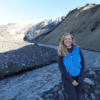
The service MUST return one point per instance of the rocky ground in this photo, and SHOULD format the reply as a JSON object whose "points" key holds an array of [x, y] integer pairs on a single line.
{"points": [[90, 90], [17, 55], [44, 83]]}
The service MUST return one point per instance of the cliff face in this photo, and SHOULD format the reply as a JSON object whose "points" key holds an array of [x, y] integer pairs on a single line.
{"points": [[83, 23]]}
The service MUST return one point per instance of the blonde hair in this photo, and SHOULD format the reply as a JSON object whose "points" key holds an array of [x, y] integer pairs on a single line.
{"points": [[62, 50]]}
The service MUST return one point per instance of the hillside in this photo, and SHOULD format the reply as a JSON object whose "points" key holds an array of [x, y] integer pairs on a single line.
{"points": [[29, 29], [84, 25], [43, 27]]}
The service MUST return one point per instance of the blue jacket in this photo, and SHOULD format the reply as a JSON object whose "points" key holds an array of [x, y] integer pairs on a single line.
{"points": [[73, 64]]}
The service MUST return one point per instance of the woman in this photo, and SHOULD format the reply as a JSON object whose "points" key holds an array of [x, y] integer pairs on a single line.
{"points": [[71, 65]]}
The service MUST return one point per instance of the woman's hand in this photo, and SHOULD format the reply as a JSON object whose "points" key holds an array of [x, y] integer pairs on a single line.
{"points": [[74, 83]]}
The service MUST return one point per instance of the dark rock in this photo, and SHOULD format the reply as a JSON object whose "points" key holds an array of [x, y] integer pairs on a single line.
{"points": [[27, 58], [89, 92]]}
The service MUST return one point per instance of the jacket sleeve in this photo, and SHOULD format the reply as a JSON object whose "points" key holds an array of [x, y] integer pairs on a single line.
{"points": [[62, 69], [80, 77]]}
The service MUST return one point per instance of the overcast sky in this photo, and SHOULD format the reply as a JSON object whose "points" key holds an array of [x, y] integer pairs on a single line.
{"points": [[28, 10]]}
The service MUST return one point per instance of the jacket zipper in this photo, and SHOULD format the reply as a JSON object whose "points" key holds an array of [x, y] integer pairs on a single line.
{"points": [[72, 60]]}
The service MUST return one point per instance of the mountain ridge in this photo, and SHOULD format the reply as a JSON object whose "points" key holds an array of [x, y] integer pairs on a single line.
{"points": [[83, 23]]}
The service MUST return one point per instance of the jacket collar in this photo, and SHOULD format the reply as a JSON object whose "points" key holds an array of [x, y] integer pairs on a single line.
{"points": [[74, 47]]}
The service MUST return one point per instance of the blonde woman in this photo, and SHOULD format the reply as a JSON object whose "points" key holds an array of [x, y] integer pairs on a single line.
{"points": [[71, 64]]}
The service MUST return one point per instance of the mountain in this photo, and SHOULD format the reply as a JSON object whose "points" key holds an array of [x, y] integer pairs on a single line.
{"points": [[43, 27], [16, 29], [83, 23], [30, 29]]}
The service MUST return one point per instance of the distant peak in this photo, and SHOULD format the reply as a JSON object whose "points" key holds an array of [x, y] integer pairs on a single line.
{"points": [[87, 5], [90, 4]]}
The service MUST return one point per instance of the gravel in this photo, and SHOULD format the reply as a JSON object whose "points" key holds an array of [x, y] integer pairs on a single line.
{"points": [[89, 91], [25, 58]]}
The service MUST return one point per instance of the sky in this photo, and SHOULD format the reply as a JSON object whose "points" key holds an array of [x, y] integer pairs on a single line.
{"points": [[29, 10]]}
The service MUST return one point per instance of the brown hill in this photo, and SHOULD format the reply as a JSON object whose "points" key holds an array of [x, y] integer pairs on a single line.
{"points": [[84, 25]]}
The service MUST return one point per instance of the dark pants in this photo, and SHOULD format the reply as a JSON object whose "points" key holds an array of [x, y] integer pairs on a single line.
{"points": [[72, 91]]}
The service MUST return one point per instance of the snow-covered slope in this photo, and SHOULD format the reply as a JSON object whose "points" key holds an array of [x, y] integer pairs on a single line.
{"points": [[31, 29], [17, 27], [43, 27]]}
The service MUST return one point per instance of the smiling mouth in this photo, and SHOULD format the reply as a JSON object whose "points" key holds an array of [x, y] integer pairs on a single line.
{"points": [[68, 42]]}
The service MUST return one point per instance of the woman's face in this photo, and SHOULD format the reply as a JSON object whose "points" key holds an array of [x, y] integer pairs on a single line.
{"points": [[68, 40]]}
